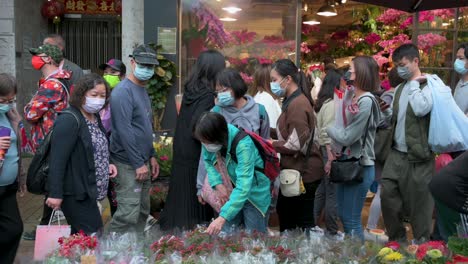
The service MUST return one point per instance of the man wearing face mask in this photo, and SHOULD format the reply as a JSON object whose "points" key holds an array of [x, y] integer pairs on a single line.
{"points": [[461, 67], [51, 97], [132, 143], [410, 163]]}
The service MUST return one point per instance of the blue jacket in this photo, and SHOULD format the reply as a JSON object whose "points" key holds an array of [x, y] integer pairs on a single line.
{"points": [[250, 184]]}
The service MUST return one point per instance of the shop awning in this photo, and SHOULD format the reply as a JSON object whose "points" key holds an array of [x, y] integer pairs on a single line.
{"points": [[416, 5]]}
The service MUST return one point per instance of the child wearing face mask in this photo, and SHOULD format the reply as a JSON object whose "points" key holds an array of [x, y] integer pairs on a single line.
{"points": [[238, 108], [80, 154]]}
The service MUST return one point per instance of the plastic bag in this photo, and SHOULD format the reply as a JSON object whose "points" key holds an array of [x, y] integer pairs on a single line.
{"points": [[449, 125]]}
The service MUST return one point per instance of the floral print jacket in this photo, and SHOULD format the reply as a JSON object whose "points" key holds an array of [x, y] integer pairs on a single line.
{"points": [[41, 111]]}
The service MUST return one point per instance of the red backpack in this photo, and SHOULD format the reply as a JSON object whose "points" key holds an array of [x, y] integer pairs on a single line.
{"points": [[266, 150]]}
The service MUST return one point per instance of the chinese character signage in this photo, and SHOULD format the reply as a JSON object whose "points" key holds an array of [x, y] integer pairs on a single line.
{"points": [[109, 7]]}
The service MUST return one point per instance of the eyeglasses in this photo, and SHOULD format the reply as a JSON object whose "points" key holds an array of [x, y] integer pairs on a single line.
{"points": [[7, 101]]}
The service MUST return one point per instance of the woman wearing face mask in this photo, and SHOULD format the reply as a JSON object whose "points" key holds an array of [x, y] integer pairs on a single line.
{"points": [[261, 92], [350, 197], [12, 179], [248, 203], [238, 109], [294, 133], [461, 67], [80, 155], [182, 209]]}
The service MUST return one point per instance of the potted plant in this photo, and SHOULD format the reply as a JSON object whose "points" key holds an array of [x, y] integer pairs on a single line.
{"points": [[160, 84]]}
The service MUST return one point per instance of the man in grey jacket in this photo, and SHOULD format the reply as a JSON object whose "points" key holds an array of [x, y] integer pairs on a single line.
{"points": [[57, 40], [132, 143]]}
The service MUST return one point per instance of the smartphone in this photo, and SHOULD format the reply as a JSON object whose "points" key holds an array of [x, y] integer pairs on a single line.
{"points": [[5, 131]]}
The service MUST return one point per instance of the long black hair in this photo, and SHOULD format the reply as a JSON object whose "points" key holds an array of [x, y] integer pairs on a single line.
{"points": [[330, 82], [286, 67], [203, 75]]}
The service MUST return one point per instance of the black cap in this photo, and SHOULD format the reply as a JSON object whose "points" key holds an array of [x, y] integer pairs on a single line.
{"points": [[115, 64], [144, 54]]}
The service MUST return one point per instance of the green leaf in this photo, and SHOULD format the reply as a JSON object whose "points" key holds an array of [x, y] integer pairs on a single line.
{"points": [[160, 71]]}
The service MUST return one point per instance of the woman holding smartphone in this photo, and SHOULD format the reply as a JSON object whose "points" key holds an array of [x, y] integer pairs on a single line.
{"points": [[11, 178]]}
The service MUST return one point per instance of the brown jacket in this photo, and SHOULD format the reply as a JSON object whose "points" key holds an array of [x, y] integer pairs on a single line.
{"points": [[295, 128]]}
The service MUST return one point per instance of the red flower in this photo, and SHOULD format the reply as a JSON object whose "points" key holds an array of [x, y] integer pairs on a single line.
{"points": [[164, 158], [422, 249], [393, 245]]}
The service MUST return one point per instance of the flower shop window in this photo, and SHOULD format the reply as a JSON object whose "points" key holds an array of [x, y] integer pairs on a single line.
{"points": [[247, 32]]}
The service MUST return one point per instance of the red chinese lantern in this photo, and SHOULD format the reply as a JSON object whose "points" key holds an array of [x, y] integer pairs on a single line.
{"points": [[53, 9], [118, 6]]}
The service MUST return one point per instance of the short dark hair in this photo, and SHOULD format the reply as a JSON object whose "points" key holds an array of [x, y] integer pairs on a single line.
{"points": [[211, 127], [409, 51], [7, 84], [366, 70], [59, 41], [464, 46], [231, 78], [84, 84], [394, 78]]}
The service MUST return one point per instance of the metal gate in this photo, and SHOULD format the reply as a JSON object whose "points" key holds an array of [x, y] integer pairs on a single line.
{"points": [[92, 41]]}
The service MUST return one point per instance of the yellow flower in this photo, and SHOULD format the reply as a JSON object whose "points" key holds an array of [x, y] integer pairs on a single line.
{"points": [[394, 256], [434, 253], [385, 251]]}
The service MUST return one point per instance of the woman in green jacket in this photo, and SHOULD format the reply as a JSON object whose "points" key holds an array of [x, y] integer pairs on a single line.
{"points": [[248, 203]]}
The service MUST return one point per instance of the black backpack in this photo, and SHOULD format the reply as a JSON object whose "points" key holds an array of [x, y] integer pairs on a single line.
{"points": [[38, 171]]}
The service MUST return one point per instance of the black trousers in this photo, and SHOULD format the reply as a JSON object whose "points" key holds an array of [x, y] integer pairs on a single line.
{"points": [[297, 212], [82, 215], [11, 225]]}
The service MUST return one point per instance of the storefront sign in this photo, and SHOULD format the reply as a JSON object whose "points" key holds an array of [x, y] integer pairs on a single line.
{"points": [[167, 38], [109, 7]]}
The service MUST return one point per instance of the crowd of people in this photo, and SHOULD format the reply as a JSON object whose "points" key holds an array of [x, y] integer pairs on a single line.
{"points": [[102, 146]]}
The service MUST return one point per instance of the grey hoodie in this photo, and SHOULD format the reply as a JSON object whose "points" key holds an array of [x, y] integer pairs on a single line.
{"points": [[248, 117]]}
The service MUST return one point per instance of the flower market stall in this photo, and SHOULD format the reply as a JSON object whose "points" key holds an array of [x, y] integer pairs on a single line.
{"points": [[196, 246]]}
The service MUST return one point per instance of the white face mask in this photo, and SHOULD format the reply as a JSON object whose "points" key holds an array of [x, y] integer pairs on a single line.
{"points": [[213, 147], [93, 105]]}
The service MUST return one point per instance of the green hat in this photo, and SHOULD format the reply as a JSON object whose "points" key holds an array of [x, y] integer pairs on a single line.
{"points": [[50, 50]]}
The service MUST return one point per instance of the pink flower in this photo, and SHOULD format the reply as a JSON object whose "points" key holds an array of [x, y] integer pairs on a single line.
{"points": [[444, 13], [391, 16], [307, 29], [305, 48], [390, 45], [247, 79], [263, 61], [216, 34], [164, 158], [422, 249], [386, 85], [381, 60], [393, 245], [372, 38], [405, 24], [427, 41], [243, 37]]}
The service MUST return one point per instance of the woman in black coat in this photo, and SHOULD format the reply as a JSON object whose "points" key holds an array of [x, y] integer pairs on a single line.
{"points": [[79, 157], [182, 209]]}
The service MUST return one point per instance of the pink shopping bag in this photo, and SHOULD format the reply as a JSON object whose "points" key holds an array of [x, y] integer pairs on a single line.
{"points": [[47, 237], [209, 194]]}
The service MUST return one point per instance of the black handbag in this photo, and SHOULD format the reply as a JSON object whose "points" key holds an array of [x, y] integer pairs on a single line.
{"points": [[348, 171]]}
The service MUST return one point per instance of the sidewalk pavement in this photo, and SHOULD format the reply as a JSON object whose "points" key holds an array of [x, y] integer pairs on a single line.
{"points": [[30, 206]]}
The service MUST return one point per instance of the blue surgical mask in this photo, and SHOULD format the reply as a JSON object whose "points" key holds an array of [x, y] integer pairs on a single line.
{"points": [[4, 108], [404, 73], [143, 73], [276, 88], [213, 148], [459, 66], [225, 99]]}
